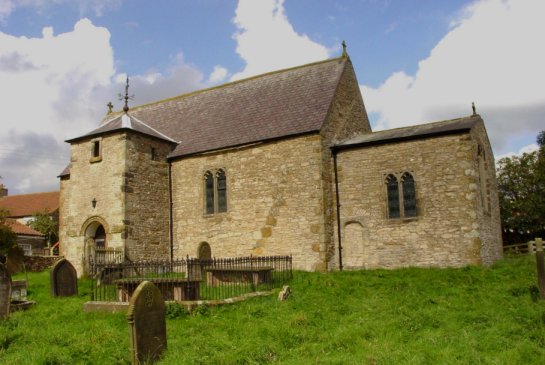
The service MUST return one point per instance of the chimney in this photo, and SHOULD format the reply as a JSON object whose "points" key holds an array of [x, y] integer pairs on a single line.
{"points": [[3, 191]]}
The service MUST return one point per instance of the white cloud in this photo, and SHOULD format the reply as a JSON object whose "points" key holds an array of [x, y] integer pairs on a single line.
{"points": [[218, 74], [525, 149], [53, 89], [267, 41], [494, 55]]}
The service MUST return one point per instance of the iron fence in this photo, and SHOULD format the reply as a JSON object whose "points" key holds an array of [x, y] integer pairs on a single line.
{"points": [[189, 278]]}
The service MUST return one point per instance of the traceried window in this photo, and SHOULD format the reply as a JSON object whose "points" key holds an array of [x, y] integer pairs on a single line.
{"points": [[215, 191], [393, 196], [401, 196], [409, 195]]}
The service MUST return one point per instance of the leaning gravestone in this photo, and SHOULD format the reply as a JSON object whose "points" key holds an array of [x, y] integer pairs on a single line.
{"points": [[64, 279], [146, 317], [5, 291]]}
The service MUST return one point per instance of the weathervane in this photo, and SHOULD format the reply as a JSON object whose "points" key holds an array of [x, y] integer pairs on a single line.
{"points": [[126, 97], [344, 49], [474, 109]]}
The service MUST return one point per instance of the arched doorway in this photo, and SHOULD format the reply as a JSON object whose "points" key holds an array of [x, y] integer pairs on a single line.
{"points": [[95, 241], [204, 251], [353, 246], [100, 237]]}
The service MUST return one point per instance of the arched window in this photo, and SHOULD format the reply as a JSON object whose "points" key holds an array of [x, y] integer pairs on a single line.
{"points": [[409, 195], [392, 189], [209, 192], [215, 191], [222, 191]]}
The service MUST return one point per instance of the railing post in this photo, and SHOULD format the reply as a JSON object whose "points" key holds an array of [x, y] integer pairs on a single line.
{"points": [[540, 267]]}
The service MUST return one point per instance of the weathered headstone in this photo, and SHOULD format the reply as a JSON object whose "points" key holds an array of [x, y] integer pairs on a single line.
{"points": [[284, 293], [64, 279], [5, 291], [147, 324]]}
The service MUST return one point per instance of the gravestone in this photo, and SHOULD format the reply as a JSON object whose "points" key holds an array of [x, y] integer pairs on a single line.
{"points": [[146, 317], [5, 291], [15, 262], [64, 279]]}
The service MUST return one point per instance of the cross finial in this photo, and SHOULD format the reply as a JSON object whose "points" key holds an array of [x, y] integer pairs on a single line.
{"points": [[344, 49], [474, 109], [110, 107], [126, 97]]}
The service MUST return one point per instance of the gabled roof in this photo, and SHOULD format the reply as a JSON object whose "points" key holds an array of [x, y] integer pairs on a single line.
{"points": [[419, 131], [25, 205], [278, 104], [124, 122], [21, 229]]}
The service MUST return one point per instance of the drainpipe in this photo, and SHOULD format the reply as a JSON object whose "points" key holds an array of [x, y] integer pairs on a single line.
{"points": [[170, 218], [338, 209]]}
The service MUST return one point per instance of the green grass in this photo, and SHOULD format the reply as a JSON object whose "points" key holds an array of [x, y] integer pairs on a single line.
{"points": [[471, 315]]}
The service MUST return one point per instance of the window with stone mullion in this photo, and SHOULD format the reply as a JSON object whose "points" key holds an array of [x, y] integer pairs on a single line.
{"points": [[392, 188]]}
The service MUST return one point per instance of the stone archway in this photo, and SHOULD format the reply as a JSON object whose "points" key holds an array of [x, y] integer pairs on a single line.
{"points": [[94, 232], [204, 252], [353, 246]]}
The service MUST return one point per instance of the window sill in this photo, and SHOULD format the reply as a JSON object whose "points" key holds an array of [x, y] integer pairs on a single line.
{"points": [[95, 159]]}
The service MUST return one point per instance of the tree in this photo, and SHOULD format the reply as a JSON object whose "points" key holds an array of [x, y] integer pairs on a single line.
{"points": [[8, 239], [521, 187], [43, 223]]}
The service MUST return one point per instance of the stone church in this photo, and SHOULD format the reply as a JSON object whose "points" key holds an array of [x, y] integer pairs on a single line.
{"points": [[283, 163]]}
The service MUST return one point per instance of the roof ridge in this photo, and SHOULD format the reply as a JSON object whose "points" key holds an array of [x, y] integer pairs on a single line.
{"points": [[43, 192], [427, 123], [199, 91]]}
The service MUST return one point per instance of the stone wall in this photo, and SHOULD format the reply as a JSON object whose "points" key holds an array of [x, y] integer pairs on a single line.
{"points": [[446, 231], [347, 118], [488, 213], [274, 202], [146, 198], [91, 178], [39, 263]]}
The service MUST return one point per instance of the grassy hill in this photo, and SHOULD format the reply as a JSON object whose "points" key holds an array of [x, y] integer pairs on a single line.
{"points": [[471, 315]]}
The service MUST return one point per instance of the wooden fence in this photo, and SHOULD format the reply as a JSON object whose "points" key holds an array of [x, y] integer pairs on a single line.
{"points": [[520, 248]]}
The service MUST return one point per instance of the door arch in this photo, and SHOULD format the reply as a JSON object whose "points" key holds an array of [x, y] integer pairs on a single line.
{"points": [[353, 246], [204, 251]]}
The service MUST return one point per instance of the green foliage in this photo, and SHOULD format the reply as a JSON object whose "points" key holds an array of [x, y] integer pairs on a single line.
{"points": [[175, 310], [42, 222], [521, 187], [8, 239], [471, 315]]}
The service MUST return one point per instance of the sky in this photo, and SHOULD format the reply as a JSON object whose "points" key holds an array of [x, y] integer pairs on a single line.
{"points": [[417, 61]]}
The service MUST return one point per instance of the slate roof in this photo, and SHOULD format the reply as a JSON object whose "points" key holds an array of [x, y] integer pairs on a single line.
{"points": [[21, 229], [25, 205], [412, 132], [278, 104], [124, 122]]}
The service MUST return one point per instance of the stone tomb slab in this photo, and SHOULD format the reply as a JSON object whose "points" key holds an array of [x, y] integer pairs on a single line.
{"points": [[146, 317], [5, 291], [64, 279]]}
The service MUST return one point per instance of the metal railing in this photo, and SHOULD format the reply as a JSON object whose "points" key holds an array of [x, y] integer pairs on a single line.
{"points": [[189, 278]]}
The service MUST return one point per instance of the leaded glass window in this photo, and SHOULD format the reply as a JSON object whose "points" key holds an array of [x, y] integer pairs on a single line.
{"points": [[393, 196], [409, 195], [209, 192], [222, 191], [215, 191]]}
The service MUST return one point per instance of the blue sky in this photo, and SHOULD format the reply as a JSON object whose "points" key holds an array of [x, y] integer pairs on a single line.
{"points": [[61, 61]]}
